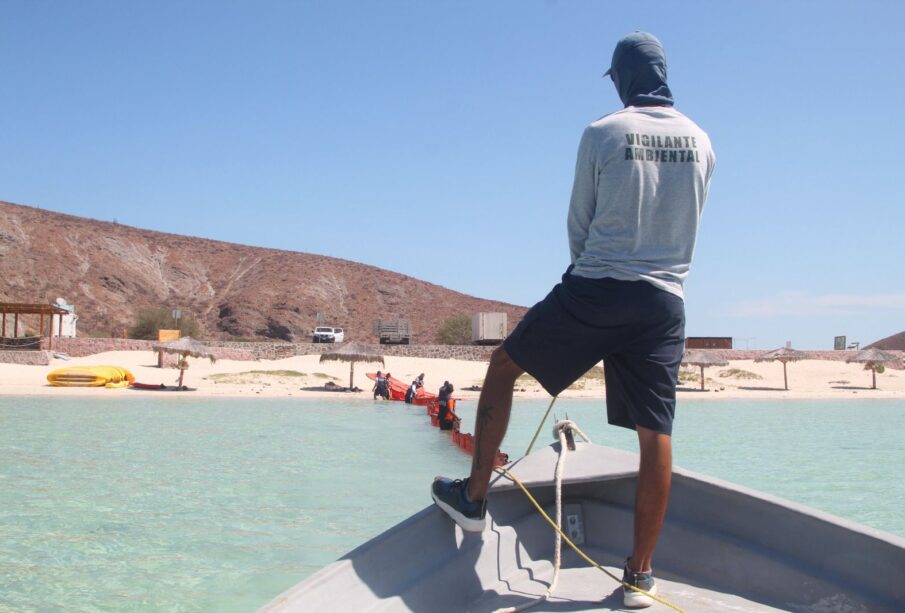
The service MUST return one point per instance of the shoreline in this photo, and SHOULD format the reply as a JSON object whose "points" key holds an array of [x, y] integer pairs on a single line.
{"points": [[282, 378]]}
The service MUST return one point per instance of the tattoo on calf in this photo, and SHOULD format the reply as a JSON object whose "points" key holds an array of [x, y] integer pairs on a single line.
{"points": [[485, 416]]}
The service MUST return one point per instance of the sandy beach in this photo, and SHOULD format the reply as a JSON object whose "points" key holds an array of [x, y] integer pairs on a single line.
{"points": [[741, 379]]}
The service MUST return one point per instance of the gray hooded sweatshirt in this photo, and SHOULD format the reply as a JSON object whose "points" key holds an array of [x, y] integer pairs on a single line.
{"points": [[641, 179]]}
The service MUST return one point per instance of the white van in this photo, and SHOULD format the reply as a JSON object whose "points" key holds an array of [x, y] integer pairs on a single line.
{"points": [[338, 335]]}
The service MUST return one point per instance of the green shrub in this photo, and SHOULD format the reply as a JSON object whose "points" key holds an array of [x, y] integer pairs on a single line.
{"points": [[455, 331], [686, 376], [738, 373], [149, 321]]}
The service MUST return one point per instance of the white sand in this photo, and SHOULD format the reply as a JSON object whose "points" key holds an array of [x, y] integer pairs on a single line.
{"points": [[809, 379]]}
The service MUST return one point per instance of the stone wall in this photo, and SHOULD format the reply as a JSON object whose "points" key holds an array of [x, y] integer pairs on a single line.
{"points": [[81, 346], [272, 351], [829, 355], [32, 358], [84, 346], [753, 354], [231, 350]]}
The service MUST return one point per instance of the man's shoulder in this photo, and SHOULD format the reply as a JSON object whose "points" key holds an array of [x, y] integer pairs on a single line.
{"points": [[632, 114], [607, 121], [642, 119]]}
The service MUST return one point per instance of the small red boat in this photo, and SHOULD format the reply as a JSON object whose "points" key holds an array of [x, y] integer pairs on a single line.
{"points": [[398, 389]]}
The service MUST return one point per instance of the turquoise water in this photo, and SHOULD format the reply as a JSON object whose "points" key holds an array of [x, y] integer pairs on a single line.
{"points": [[134, 503]]}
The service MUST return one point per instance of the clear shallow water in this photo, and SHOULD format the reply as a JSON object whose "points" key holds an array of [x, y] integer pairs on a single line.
{"points": [[181, 504]]}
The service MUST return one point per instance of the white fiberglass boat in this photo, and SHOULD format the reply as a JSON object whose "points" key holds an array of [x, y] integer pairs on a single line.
{"points": [[723, 548]]}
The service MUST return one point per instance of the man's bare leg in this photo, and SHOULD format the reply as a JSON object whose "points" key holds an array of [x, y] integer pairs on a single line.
{"points": [[494, 407], [651, 496]]}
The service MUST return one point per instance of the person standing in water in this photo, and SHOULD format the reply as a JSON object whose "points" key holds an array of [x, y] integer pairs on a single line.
{"points": [[411, 392], [641, 181], [381, 386], [444, 415]]}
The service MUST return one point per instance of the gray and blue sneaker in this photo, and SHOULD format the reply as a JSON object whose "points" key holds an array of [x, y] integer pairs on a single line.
{"points": [[644, 581], [450, 495]]}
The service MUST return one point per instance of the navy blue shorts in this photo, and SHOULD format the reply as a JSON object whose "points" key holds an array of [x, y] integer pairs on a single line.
{"points": [[638, 331]]}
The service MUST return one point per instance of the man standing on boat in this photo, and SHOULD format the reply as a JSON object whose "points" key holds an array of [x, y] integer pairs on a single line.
{"points": [[641, 180]]}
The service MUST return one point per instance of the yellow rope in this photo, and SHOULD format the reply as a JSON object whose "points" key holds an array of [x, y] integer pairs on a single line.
{"points": [[539, 426], [515, 479]]}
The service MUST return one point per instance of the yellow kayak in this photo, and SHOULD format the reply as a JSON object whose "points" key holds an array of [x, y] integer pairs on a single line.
{"points": [[90, 376]]}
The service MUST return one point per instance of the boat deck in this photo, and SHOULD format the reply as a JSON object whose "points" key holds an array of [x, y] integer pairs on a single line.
{"points": [[723, 548], [582, 588]]}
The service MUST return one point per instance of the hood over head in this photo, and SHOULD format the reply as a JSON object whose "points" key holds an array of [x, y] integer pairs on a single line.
{"points": [[638, 70]]}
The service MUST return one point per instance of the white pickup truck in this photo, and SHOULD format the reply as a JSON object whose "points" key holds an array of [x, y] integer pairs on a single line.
{"points": [[325, 334]]}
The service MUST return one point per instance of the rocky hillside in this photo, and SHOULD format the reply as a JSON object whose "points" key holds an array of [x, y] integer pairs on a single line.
{"points": [[895, 342], [110, 272]]}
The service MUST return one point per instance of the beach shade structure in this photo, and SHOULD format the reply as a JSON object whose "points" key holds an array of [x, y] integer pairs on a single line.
{"points": [[876, 361], [185, 347], [784, 355], [699, 357], [352, 352]]}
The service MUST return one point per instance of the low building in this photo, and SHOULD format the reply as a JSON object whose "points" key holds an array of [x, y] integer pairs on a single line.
{"points": [[67, 323], [708, 342]]}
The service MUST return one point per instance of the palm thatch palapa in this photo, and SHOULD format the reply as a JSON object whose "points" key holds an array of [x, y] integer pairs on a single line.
{"points": [[875, 360], [784, 355], [185, 347], [352, 352], [699, 357]]}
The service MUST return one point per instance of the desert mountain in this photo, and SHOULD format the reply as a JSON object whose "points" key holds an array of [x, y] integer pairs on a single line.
{"points": [[110, 272], [894, 342]]}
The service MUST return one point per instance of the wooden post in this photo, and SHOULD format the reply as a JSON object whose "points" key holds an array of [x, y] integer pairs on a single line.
{"points": [[41, 327], [182, 363], [785, 377], [15, 325], [50, 335], [61, 326], [4, 325], [702, 377]]}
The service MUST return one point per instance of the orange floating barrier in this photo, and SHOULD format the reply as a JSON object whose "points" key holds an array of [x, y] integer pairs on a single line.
{"points": [[431, 404]]}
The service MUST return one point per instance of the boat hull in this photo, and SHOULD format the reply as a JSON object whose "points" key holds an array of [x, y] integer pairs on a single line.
{"points": [[722, 548]]}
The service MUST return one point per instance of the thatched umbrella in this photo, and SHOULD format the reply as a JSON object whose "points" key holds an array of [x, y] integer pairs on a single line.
{"points": [[185, 347], [875, 360], [784, 355], [352, 352], [699, 357]]}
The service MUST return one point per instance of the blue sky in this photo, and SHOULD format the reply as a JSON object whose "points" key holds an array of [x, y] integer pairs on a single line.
{"points": [[438, 139]]}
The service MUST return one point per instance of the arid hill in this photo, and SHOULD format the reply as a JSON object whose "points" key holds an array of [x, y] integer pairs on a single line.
{"points": [[895, 342], [110, 272]]}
